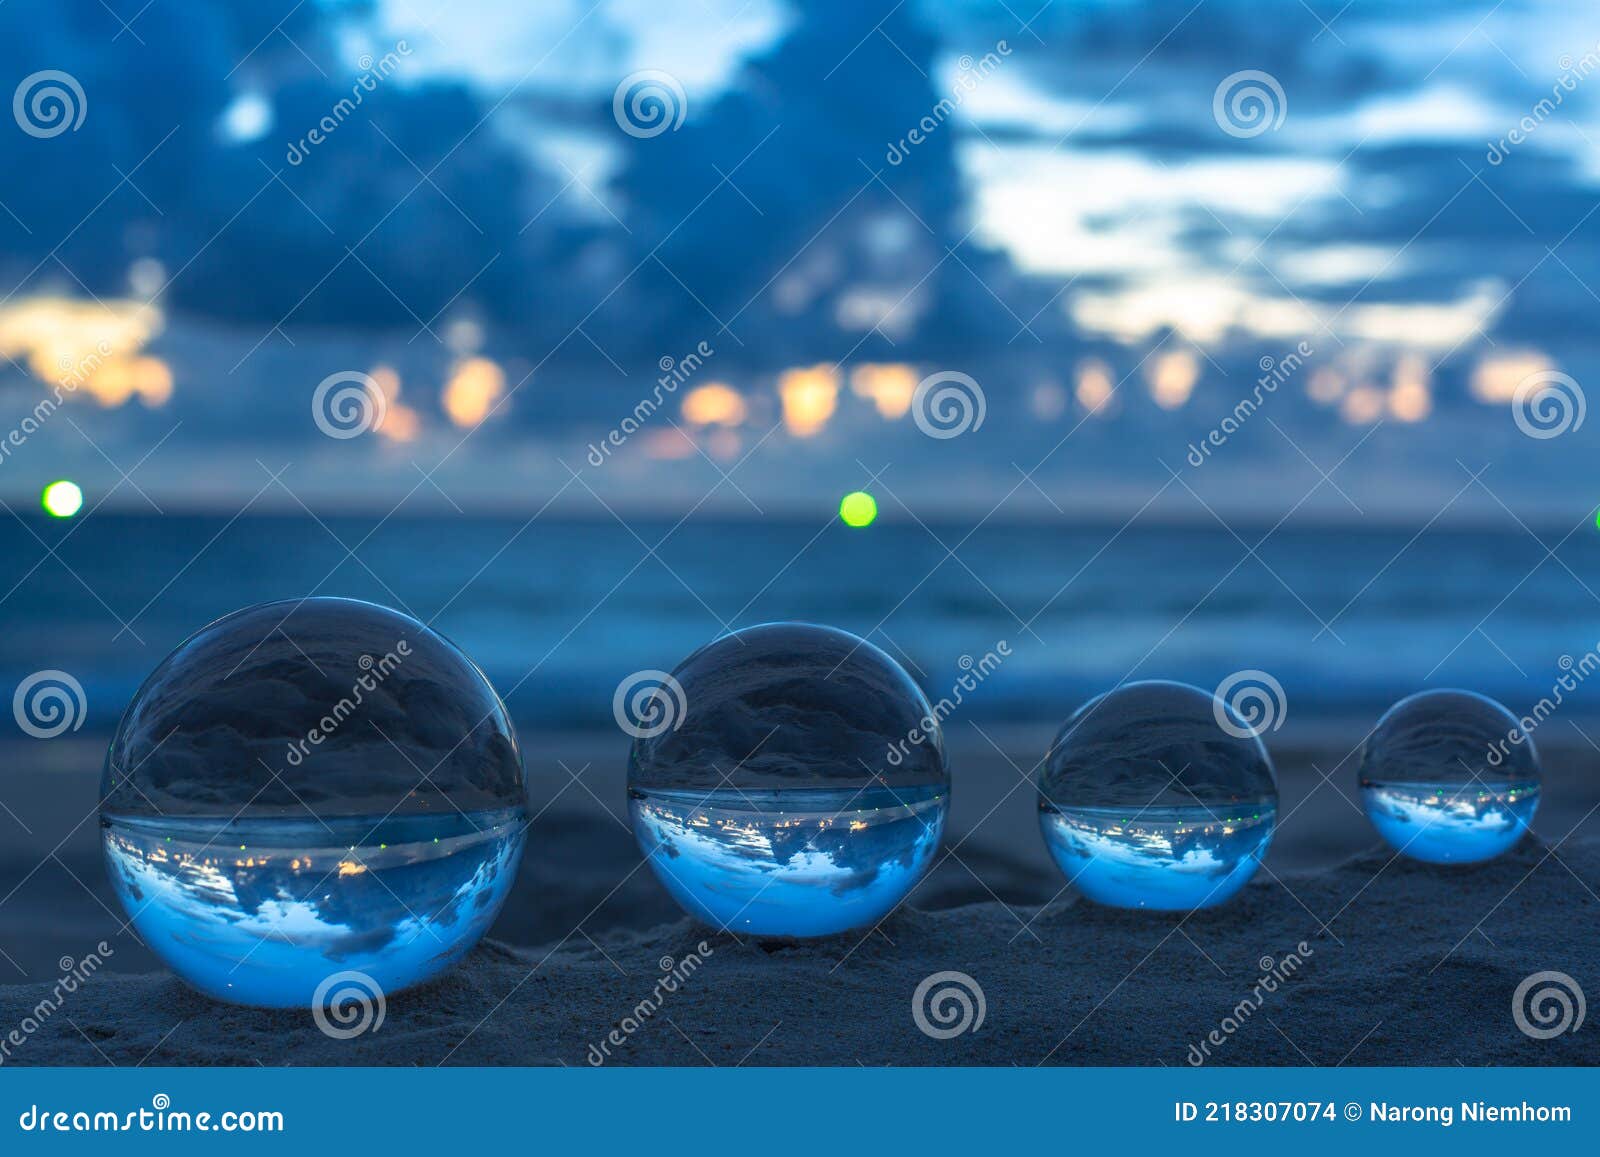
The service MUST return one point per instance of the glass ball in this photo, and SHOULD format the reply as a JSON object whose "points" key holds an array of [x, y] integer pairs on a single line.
{"points": [[1157, 795], [306, 789], [786, 780], [1449, 777]]}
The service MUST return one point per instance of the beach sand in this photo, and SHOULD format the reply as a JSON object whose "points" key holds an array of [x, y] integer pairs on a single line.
{"points": [[1402, 963]]}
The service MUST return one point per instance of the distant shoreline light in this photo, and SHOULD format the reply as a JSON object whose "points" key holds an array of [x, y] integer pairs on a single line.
{"points": [[858, 509], [62, 499]]}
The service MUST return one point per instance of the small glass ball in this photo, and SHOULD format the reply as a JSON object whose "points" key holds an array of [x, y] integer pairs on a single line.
{"points": [[313, 788], [1449, 777], [1157, 795], [787, 780]]}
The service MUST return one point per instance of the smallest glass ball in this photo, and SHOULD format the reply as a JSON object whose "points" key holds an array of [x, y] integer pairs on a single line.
{"points": [[1449, 777]]}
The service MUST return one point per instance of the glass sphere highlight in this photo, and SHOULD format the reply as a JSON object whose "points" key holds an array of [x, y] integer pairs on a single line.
{"points": [[1449, 777], [1157, 795], [304, 789], [789, 780]]}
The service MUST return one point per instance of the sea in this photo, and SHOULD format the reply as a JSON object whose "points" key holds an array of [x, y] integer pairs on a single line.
{"points": [[1027, 620]]}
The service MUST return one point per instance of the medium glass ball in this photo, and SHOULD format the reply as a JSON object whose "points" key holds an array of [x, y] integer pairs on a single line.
{"points": [[786, 780], [1157, 795], [1449, 777]]}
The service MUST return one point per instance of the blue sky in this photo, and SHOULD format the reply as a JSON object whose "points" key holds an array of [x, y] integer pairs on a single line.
{"points": [[1076, 208]]}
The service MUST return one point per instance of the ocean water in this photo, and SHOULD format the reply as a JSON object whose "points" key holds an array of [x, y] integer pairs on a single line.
{"points": [[1451, 823], [795, 862], [558, 611], [263, 911], [1162, 858]]}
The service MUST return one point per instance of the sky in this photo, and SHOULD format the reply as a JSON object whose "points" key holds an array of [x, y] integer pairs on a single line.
{"points": [[376, 255]]}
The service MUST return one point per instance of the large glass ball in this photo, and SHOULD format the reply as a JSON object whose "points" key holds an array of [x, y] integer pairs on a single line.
{"points": [[1449, 777], [308, 789], [786, 780], [1157, 795]]}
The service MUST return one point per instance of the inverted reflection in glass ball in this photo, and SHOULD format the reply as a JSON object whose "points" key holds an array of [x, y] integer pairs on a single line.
{"points": [[308, 788], [1147, 801], [793, 782], [1449, 777]]}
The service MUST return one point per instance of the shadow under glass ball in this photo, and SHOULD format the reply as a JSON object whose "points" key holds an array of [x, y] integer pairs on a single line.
{"points": [[1449, 777], [1147, 801], [305, 788], [802, 790]]}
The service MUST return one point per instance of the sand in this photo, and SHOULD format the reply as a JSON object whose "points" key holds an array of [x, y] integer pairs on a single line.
{"points": [[1401, 963]]}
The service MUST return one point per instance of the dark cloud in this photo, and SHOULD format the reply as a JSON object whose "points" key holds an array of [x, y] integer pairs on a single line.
{"points": [[789, 706], [1155, 744], [329, 707], [409, 197]]}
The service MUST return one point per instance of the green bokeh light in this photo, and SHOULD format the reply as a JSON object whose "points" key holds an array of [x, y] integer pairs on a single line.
{"points": [[858, 508], [62, 499]]}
